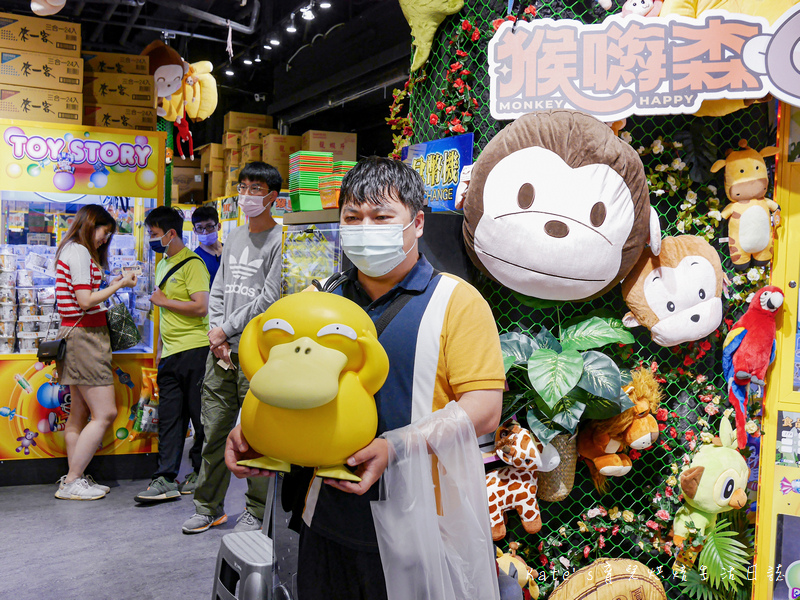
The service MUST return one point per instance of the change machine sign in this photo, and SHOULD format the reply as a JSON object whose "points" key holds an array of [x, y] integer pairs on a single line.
{"points": [[440, 163], [643, 66]]}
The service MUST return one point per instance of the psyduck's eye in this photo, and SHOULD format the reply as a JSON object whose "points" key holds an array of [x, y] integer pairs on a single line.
{"points": [[338, 329], [525, 196], [278, 324]]}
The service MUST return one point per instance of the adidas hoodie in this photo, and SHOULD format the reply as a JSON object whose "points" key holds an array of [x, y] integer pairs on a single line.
{"points": [[248, 280]]}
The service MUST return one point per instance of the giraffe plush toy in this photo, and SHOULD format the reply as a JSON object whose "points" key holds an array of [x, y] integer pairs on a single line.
{"points": [[751, 216], [514, 487]]}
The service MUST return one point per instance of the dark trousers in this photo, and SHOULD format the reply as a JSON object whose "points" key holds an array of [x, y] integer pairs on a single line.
{"points": [[180, 385], [329, 570]]}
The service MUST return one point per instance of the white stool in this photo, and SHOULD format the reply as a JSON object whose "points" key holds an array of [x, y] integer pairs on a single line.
{"points": [[244, 561]]}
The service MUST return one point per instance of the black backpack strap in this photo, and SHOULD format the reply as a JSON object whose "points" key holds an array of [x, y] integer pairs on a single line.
{"points": [[174, 270]]}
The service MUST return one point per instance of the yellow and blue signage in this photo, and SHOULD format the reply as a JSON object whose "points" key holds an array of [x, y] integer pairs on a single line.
{"points": [[440, 163]]}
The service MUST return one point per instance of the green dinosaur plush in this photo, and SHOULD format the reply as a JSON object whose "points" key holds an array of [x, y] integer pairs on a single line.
{"points": [[424, 17], [713, 483]]}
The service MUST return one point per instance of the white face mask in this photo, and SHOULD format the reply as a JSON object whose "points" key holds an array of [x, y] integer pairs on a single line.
{"points": [[374, 249], [252, 206]]}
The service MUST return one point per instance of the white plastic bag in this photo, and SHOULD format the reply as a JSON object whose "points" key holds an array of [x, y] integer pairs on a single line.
{"points": [[425, 555]]}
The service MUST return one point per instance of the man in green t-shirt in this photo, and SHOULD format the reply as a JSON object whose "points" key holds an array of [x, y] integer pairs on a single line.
{"points": [[182, 282]]}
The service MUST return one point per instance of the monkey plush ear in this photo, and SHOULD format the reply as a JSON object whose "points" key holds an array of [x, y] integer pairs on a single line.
{"points": [[655, 232], [690, 481], [629, 320]]}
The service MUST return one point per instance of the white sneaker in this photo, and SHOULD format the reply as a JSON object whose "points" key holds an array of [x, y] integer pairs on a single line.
{"points": [[78, 490], [103, 488]]}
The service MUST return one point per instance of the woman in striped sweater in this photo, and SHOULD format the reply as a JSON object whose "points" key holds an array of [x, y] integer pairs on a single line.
{"points": [[86, 368]]}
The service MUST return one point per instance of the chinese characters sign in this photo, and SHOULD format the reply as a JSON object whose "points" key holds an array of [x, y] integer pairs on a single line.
{"points": [[85, 160], [440, 163], [636, 65]]}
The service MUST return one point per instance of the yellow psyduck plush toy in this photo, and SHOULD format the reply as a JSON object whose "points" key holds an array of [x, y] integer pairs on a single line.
{"points": [[314, 364]]}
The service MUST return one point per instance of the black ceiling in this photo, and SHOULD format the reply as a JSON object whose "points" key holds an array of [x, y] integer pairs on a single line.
{"points": [[336, 72]]}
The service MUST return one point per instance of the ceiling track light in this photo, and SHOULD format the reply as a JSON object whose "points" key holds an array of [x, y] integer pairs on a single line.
{"points": [[229, 71], [291, 26], [257, 57], [275, 41], [247, 60], [307, 12], [324, 4]]}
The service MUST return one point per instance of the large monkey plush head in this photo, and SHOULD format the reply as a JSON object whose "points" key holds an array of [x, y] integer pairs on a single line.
{"points": [[557, 207], [677, 295], [167, 68]]}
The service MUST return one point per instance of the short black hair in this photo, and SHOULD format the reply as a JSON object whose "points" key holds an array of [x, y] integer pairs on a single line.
{"points": [[264, 173], [205, 213], [165, 218], [376, 178]]}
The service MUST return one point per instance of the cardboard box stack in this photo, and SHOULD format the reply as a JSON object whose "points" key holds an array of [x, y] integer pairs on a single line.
{"points": [[41, 72], [276, 150], [210, 157], [305, 170], [124, 107], [188, 176], [343, 146], [241, 143]]}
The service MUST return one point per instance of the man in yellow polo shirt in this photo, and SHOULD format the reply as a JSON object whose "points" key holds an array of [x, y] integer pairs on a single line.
{"points": [[182, 282]]}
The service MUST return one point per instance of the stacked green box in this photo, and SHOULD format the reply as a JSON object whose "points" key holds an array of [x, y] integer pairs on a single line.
{"points": [[305, 169]]}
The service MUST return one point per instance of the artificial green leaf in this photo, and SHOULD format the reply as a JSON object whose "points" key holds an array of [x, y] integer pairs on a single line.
{"points": [[545, 339], [600, 376], [567, 412], [514, 402], [540, 426], [593, 333], [696, 587], [517, 348], [601, 408], [552, 374], [624, 401], [724, 558], [532, 302]]}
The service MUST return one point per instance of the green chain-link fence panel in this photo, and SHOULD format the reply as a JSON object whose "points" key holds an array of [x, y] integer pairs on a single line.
{"points": [[683, 393], [164, 125]]}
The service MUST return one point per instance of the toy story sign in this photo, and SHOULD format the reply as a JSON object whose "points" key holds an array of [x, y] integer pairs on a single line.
{"points": [[440, 163], [79, 160], [644, 66], [34, 411]]}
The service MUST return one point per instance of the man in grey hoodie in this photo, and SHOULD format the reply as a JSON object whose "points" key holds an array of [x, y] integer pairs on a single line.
{"points": [[247, 282]]}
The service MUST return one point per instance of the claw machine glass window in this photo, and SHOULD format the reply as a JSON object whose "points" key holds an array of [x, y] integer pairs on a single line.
{"points": [[31, 226]]}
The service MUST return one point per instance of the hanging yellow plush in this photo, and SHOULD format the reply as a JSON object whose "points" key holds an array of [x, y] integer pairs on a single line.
{"points": [[424, 17], [314, 364]]}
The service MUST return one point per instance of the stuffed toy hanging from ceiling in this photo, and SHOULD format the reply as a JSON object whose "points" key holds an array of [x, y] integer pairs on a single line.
{"points": [[751, 215], [558, 207], [677, 295]]}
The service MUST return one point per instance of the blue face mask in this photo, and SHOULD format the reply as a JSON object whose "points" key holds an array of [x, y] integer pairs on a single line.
{"points": [[157, 246]]}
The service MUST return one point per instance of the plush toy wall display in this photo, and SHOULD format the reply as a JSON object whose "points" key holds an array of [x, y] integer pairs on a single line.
{"points": [[749, 349], [749, 213], [611, 579], [167, 68], [514, 487], [603, 443], [677, 295], [558, 207], [314, 363], [714, 482]]}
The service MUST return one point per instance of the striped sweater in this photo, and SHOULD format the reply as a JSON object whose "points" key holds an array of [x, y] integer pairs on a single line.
{"points": [[75, 270]]}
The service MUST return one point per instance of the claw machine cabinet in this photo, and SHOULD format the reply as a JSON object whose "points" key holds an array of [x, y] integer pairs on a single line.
{"points": [[777, 572], [48, 172]]}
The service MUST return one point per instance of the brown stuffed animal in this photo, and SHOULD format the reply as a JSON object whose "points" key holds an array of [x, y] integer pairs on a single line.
{"points": [[603, 443], [677, 295]]}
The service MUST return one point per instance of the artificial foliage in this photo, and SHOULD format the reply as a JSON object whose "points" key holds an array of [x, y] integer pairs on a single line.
{"points": [[580, 528]]}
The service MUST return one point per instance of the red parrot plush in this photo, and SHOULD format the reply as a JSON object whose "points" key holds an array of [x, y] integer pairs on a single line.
{"points": [[184, 135], [748, 351]]}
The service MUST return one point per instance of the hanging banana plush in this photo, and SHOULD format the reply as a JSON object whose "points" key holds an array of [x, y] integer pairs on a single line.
{"points": [[424, 17]]}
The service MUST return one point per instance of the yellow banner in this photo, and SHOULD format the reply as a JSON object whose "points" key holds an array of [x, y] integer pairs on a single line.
{"points": [[81, 160], [33, 410]]}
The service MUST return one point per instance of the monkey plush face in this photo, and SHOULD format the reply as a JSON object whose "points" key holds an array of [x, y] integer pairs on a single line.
{"points": [[305, 345], [557, 207], [677, 294]]}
